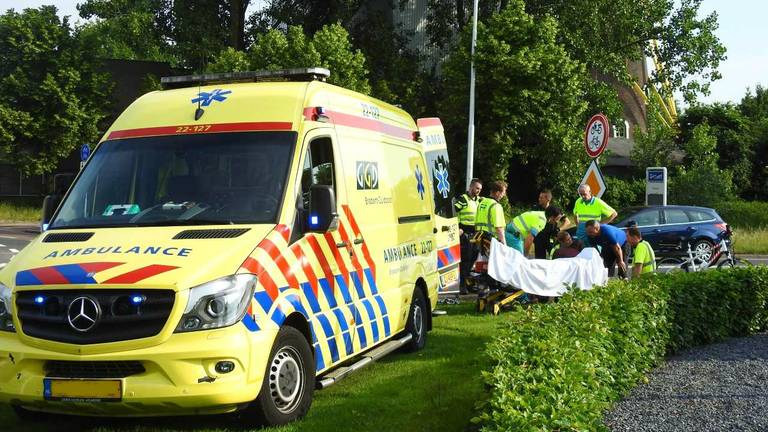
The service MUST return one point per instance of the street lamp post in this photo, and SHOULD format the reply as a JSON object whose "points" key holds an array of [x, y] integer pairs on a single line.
{"points": [[471, 129]]}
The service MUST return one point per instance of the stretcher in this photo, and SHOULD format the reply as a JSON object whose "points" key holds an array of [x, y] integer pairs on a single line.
{"points": [[503, 277]]}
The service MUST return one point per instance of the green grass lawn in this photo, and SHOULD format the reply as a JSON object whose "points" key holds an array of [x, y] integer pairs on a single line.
{"points": [[19, 213], [750, 241], [433, 390]]}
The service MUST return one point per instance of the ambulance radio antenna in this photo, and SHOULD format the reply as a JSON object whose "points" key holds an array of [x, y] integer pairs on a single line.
{"points": [[199, 111]]}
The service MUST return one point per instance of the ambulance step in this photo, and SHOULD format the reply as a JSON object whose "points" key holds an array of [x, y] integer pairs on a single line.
{"points": [[367, 358]]}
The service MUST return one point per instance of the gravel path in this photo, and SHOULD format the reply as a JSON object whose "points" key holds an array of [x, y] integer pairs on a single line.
{"points": [[720, 387]]}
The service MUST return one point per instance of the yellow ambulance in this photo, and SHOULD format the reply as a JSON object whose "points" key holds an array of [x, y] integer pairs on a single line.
{"points": [[234, 242]]}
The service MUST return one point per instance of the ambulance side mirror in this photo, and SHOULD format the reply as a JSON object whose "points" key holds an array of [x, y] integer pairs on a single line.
{"points": [[322, 214], [50, 203]]}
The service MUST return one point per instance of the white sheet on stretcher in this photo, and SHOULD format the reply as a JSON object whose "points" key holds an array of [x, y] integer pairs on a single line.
{"points": [[546, 277]]}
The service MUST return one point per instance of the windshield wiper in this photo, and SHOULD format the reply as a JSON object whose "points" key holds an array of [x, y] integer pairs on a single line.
{"points": [[179, 222]]}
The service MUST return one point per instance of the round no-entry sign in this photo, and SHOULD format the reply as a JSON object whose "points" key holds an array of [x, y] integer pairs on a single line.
{"points": [[596, 135]]}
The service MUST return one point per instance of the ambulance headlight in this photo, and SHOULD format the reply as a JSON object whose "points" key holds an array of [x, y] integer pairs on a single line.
{"points": [[6, 310], [219, 303]]}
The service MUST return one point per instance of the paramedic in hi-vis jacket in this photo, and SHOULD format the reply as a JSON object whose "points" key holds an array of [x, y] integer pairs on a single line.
{"points": [[466, 208]]}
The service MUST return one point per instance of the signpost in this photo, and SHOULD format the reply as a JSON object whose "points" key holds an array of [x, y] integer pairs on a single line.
{"points": [[656, 186], [85, 151], [594, 178], [595, 141], [596, 135]]}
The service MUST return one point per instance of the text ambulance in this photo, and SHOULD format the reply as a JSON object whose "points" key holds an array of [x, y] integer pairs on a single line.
{"points": [[234, 241]]}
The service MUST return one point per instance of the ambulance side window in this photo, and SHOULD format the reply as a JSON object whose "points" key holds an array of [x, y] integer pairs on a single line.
{"points": [[318, 167]]}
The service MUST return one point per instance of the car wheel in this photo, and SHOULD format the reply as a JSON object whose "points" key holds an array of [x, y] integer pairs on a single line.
{"points": [[417, 322], [289, 381], [702, 250]]}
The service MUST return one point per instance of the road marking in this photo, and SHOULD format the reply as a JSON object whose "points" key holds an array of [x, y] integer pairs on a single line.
{"points": [[15, 251], [3, 265]]}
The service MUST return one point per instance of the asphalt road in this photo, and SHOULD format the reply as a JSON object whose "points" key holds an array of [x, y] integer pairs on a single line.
{"points": [[14, 238]]}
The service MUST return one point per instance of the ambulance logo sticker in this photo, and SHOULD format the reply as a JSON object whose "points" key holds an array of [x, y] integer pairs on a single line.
{"points": [[441, 175], [205, 98], [419, 182], [367, 175]]}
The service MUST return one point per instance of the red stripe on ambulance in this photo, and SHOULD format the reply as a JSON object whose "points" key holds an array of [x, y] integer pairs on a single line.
{"points": [[140, 274], [313, 243], [200, 128], [274, 253], [265, 279], [356, 231], [306, 266], [344, 119]]}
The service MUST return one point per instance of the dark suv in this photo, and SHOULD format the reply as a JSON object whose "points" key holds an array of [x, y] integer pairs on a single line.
{"points": [[669, 228]]}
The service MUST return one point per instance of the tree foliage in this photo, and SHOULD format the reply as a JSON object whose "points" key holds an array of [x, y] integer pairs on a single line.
{"points": [[330, 48], [529, 104], [53, 96]]}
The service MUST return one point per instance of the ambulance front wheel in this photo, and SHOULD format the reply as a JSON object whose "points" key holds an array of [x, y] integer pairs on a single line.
{"points": [[289, 381], [417, 322]]}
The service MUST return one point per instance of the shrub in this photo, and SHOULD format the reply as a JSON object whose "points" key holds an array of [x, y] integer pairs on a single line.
{"points": [[560, 366], [744, 214], [622, 193]]}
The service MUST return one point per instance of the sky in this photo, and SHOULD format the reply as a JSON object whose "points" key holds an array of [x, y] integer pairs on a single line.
{"points": [[743, 30]]}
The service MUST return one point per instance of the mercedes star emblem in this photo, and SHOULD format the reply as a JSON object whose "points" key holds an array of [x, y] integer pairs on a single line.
{"points": [[83, 314]]}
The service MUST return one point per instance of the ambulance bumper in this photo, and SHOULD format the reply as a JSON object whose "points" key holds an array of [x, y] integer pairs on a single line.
{"points": [[179, 376]]}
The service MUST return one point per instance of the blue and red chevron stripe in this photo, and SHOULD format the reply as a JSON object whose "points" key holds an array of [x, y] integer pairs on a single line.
{"points": [[448, 256], [84, 273]]}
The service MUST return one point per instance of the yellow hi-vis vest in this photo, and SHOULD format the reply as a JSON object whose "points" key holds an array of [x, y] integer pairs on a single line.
{"points": [[530, 223], [467, 208], [644, 255], [593, 209], [489, 216]]}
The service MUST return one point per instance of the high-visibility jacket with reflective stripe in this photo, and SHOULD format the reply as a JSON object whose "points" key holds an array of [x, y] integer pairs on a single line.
{"points": [[594, 209], [644, 255], [529, 222], [467, 208], [489, 216]]}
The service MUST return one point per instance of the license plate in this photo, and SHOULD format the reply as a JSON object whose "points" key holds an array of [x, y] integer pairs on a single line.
{"points": [[76, 390], [449, 277]]}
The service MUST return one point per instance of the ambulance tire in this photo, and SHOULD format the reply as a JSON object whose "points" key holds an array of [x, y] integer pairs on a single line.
{"points": [[417, 322], [289, 381]]}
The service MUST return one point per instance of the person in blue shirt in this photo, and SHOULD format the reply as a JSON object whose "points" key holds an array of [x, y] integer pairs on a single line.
{"points": [[613, 244]]}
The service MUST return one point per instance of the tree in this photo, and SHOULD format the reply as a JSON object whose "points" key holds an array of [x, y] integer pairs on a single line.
{"points": [[700, 181], [330, 48], [754, 107], [53, 96], [124, 29], [728, 126], [604, 34], [529, 104], [187, 32]]}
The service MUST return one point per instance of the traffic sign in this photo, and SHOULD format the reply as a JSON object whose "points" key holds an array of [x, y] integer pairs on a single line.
{"points": [[596, 135], [85, 151], [594, 178]]}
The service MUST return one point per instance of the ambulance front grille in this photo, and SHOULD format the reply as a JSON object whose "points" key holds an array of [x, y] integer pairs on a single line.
{"points": [[92, 369], [122, 314]]}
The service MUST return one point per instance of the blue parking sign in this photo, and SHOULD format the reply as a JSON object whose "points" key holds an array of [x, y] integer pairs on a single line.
{"points": [[85, 151]]}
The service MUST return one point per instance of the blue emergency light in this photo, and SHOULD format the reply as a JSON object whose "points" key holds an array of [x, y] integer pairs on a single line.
{"points": [[39, 299], [314, 221]]}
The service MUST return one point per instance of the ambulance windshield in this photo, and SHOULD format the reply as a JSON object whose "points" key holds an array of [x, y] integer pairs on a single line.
{"points": [[196, 179]]}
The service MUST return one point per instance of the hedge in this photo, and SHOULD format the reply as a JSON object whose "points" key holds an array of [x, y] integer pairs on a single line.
{"points": [[561, 366], [744, 214]]}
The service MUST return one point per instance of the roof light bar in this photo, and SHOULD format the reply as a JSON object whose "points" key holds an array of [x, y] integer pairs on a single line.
{"points": [[302, 74]]}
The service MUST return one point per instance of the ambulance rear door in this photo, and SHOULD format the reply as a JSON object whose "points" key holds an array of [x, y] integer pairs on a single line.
{"points": [[446, 223]]}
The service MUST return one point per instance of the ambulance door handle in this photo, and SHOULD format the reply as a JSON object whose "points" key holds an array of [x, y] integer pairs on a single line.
{"points": [[358, 241], [342, 244]]}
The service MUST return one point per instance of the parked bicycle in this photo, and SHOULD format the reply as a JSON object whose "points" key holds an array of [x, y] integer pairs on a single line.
{"points": [[698, 261]]}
